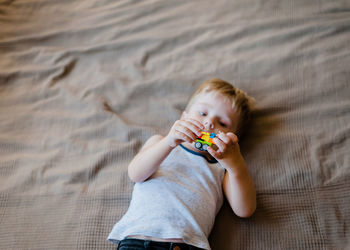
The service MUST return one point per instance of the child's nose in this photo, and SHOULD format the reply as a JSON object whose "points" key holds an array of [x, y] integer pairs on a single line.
{"points": [[208, 124]]}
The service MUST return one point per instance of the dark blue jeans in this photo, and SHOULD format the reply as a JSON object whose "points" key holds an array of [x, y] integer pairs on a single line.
{"points": [[136, 244]]}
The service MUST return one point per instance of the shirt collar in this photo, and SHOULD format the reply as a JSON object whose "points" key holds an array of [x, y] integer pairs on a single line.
{"points": [[202, 155]]}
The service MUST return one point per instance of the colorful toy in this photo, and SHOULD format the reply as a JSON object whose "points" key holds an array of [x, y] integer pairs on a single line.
{"points": [[204, 141]]}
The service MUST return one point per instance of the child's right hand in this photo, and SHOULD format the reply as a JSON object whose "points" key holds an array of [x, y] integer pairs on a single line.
{"points": [[183, 130]]}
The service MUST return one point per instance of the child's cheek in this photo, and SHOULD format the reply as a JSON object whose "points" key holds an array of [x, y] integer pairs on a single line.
{"points": [[197, 117]]}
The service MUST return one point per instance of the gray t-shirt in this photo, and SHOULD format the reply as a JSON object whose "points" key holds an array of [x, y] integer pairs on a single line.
{"points": [[180, 200]]}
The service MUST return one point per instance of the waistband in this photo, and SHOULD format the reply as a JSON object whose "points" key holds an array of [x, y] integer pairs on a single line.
{"points": [[148, 244]]}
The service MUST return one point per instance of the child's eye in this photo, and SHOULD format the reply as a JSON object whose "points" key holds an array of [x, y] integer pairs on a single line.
{"points": [[223, 124], [202, 113]]}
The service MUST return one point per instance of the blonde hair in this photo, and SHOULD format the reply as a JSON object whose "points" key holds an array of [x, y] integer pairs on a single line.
{"points": [[241, 102]]}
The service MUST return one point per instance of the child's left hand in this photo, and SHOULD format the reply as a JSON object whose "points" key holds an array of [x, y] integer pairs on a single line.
{"points": [[228, 151]]}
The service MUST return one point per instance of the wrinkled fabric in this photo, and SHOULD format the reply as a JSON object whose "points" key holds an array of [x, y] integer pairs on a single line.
{"points": [[83, 84]]}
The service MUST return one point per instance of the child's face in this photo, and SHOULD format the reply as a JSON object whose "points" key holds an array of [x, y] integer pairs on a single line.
{"points": [[214, 112]]}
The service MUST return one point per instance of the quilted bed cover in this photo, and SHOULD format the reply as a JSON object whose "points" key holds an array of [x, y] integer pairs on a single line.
{"points": [[83, 84]]}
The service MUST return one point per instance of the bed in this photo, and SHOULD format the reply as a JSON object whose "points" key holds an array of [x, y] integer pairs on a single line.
{"points": [[83, 84]]}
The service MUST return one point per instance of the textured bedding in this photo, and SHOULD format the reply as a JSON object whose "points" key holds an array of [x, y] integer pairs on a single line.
{"points": [[83, 84]]}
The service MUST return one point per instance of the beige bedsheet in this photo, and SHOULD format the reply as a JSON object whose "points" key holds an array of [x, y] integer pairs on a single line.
{"points": [[83, 84]]}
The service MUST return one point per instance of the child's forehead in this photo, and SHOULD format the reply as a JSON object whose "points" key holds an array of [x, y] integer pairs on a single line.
{"points": [[218, 102], [213, 97]]}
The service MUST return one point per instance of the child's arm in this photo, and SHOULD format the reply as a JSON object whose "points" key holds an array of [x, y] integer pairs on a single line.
{"points": [[157, 148], [146, 162], [237, 184]]}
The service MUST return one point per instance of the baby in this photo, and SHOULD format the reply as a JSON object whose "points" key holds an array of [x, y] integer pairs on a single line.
{"points": [[178, 188]]}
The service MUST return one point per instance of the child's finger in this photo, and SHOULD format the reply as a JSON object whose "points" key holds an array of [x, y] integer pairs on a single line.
{"points": [[224, 137], [189, 130], [193, 127], [220, 144], [233, 137], [196, 122], [180, 134], [215, 154]]}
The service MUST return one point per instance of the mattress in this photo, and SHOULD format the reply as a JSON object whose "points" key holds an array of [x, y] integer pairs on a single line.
{"points": [[83, 84]]}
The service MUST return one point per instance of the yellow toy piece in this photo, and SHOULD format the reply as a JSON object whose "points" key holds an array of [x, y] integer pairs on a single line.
{"points": [[204, 141], [206, 137]]}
